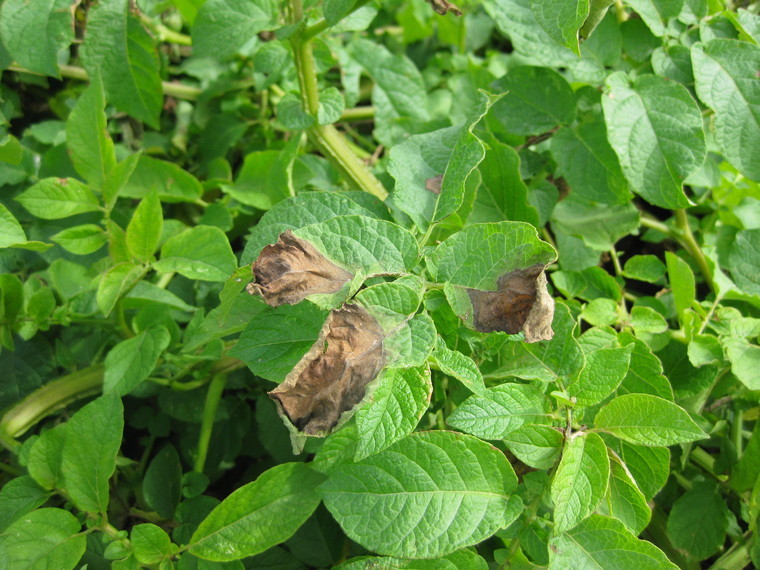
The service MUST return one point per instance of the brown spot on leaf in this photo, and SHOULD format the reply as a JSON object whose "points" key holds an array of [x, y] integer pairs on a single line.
{"points": [[288, 271], [434, 184], [331, 378], [443, 6], [522, 303]]}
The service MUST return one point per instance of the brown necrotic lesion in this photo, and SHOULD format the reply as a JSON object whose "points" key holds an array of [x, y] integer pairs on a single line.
{"points": [[288, 271], [332, 377], [521, 304]]}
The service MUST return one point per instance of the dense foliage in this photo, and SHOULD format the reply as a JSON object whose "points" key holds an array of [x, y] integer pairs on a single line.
{"points": [[507, 296]]}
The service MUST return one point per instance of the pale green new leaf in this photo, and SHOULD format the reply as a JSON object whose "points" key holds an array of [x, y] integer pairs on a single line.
{"points": [[201, 252], [580, 481], [90, 146], [655, 128], [132, 360], [13, 235], [144, 229], [258, 515], [121, 50], [34, 31], [56, 198], [647, 420], [499, 411], [561, 19], [682, 283], [392, 409], [150, 543], [427, 495], [45, 538], [92, 440], [223, 27], [725, 73], [603, 542]]}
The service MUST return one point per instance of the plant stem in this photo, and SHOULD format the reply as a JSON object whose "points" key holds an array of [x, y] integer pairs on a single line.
{"points": [[735, 558], [213, 397], [51, 397], [690, 244], [177, 90], [365, 113]]}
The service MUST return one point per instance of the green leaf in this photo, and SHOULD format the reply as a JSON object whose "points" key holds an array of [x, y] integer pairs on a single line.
{"points": [[499, 411], [44, 463], [291, 113], [655, 128], [603, 542], [502, 194], [698, 521], [258, 515], [13, 235], [172, 183], [45, 538], [464, 558], [412, 343], [646, 320], [561, 20], [144, 229], [744, 257], [201, 252], [363, 245], [745, 361], [150, 544], [537, 100], [115, 282], [580, 481], [92, 440], [56, 198], [649, 466], [455, 364], [417, 163], [265, 178], [647, 268], [588, 284], [726, 81], [336, 10], [18, 497], [132, 360], [162, 484], [35, 31], [536, 445], [600, 226], [121, 50], [81, 240], [589, 164], [682, 283], [331, 106], [704, 349], [546, 360], [223, 27], [600, 312], [656, 13], [624, 500], [645, 372], [647, 420], [305, 209], [268, 344], [393, 409], [603, 373], [90, 146], [118, 178], [427, 495]]}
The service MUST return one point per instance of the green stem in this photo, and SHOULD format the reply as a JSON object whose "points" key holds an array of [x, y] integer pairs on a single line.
{"points": [[51, 397], [735, 558], [177, 90], [213, 397], [736, 430], [690, 244], [365, 113]]}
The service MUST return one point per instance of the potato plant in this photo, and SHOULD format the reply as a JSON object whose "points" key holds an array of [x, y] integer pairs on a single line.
{"points": [[379, 284]]}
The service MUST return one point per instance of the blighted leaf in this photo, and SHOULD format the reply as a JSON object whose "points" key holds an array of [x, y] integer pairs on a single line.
{"points": [[330, 379], [494, 275], [292, 269], [442, 7]]}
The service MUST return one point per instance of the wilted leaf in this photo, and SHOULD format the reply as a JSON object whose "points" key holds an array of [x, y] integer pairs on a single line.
{"points": [[331, 377], [292, 269]]}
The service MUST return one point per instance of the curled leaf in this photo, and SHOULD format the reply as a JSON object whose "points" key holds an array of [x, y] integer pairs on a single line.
{"points": [[522, 303], [331, 378], [292, 269]]}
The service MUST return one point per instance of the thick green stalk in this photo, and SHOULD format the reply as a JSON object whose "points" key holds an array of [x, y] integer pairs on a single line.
{"points": [[213, 397], [690, 244]]}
